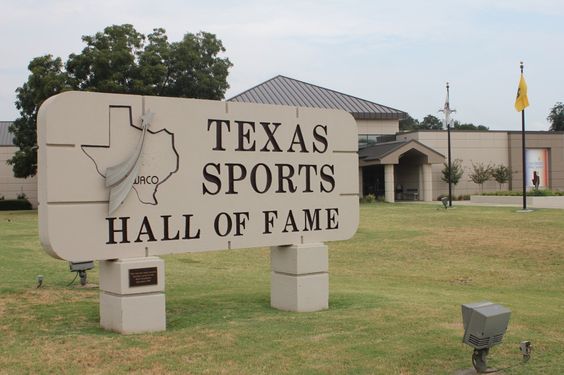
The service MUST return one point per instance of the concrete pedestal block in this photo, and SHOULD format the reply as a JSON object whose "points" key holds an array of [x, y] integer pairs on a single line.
{"points": [[133, 313], [300, 277], [304, 293], [300, 259], [132, 298], [115, 275]]}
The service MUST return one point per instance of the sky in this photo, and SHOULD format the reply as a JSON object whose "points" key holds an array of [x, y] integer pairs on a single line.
{"points": [[397, 53]]}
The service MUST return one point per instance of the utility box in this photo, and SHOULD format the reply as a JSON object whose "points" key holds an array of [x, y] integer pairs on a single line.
{"points": [[485, 324]]}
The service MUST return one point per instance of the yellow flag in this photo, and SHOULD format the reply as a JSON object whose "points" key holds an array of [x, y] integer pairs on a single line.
{"points": [[522, 100]]}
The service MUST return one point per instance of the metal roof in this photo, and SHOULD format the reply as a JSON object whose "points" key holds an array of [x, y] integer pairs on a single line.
{"points": [[6, 138], [287, 91], [379, 150]]}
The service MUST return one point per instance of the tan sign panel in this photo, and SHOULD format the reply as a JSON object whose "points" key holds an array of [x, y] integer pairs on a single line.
{"points": [[127, 176]]}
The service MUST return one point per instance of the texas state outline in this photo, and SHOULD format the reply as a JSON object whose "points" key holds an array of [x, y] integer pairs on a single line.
{"points": [[120, 153]]}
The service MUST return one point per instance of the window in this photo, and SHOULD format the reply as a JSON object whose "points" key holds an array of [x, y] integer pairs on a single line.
{"points": [[365, 140]]}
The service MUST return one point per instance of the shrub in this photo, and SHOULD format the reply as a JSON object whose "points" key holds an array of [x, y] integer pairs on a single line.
{"points": [[540, 193], [462, 197], [532, 193], [14, 204], [507, 193], [370, 198]]}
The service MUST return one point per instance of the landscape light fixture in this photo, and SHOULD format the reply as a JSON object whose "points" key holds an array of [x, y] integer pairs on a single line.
{"points": [[445, 202], [39, 279], [80, 268], [485, 324]]}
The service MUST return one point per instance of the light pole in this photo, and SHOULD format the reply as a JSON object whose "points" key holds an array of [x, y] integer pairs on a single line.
{"points": [[447, 111]]}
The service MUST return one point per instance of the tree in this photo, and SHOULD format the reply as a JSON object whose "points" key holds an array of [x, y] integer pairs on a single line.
{"points": [[501, 174], [119, 60], [480, 174], [408, 123], [200, 76], [556, 117], [109, 62], [46, 79], [431, 122], [468, 126], [455, 174]]}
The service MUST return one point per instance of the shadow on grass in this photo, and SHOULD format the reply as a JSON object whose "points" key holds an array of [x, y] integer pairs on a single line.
{"points": [[220, 309], [68, 311]]}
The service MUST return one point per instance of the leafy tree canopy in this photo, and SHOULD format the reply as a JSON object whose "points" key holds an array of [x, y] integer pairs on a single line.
{"points": [[556, 117], [119, 60], [480, 173], [408, 123], [501, 174], [455, 172], [468, 126], [431, 122], [47, 78]]}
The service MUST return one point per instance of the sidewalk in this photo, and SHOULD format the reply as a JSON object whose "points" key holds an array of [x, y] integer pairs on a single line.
{"points": [[470, 203]]}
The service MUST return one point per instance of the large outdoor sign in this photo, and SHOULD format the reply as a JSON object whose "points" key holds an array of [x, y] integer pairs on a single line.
{"points": [[126, 176]]}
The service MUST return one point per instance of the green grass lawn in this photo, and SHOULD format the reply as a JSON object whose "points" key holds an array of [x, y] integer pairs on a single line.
{"points": [[395, 295]]}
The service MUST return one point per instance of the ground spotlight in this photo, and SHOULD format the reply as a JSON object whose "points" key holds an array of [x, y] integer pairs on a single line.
{"points": [[485, 324], [39, 279], [80, 268], [444, 201], [526, 349]]}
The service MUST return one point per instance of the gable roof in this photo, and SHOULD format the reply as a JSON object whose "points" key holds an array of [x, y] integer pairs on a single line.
{"points": [[282, 90], [379, 150], [6, 138], [391, 152]]}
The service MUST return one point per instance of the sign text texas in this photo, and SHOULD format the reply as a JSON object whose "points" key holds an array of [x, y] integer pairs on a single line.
{"points": [[125, 176]]}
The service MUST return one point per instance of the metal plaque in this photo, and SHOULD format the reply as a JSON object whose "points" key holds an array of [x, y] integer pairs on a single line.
{"points": [[143, 276]]}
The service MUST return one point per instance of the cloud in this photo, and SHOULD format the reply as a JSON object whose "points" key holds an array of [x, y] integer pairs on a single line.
{"points": [[398, 53]]}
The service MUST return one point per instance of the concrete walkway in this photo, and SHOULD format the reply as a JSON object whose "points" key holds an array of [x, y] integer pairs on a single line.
{"points": [[470, 203]]}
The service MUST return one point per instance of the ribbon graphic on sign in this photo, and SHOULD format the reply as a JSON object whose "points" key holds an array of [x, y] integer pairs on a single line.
{"points": [[120, 177]]}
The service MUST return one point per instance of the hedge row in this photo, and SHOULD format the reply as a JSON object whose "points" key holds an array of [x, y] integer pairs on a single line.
{"points": [[530, 193], [14, 204]]}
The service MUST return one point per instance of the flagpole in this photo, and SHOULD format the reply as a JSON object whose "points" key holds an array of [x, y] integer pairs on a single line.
{"points": [[449, 168], [523, 153]]}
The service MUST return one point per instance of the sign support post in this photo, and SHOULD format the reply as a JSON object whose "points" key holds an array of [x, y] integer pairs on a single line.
{"points": [[132, 298], [300, 277]]}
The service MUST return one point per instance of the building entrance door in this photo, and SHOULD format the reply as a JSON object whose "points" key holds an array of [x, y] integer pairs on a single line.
{"points": [[373, 180]]}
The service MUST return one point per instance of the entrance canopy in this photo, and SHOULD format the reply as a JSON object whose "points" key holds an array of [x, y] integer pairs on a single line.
{"points": [[391, 152], [398, 170]]}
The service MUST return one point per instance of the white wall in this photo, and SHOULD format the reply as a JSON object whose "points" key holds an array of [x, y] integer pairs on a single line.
{"points": [[377, 126], [470, 147], [10, 186]]}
